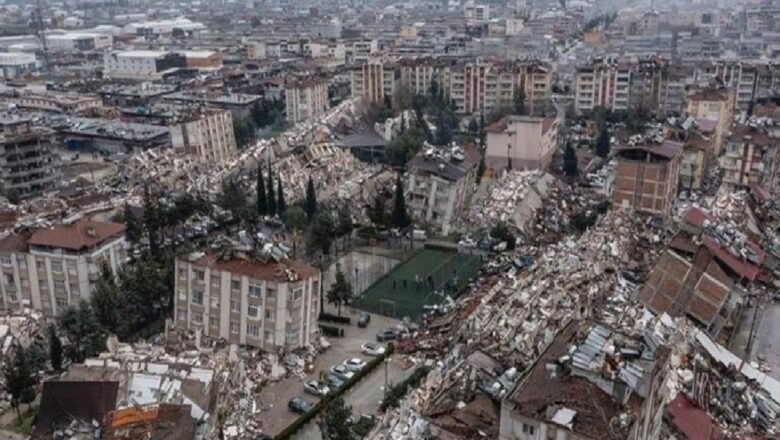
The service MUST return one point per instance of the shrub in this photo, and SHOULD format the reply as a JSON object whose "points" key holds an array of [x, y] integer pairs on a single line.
{"points": [[394, 395]]}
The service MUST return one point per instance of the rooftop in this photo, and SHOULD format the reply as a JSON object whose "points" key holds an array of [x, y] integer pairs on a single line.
{"points": [[80, 235], [260, 269]]}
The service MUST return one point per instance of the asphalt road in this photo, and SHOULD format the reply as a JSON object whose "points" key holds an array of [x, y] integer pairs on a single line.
{"points": [[273, 399], [765, 339]]}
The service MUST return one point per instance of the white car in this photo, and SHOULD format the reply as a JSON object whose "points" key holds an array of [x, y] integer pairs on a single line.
{"points": [[313, 387], [372, 349], [354, 364], [341, 372]]}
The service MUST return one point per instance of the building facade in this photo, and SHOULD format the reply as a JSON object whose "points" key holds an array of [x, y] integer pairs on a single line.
{"points": [[56, 267], [28, 165], [374, 79], [14, 64], [208, 136], [141, 64], [521, 142], [750, 158], [306, 99], [243, 299], [647, 177]]}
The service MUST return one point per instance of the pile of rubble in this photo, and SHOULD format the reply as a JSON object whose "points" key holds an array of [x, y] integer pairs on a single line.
{"points": [[18, 331], [512, 198]]}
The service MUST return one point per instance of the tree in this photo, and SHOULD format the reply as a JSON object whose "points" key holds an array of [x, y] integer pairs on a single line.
{"points": [[377, 212], [244, 132], [322, 231], [296, 223], [570, 161], [345, 224], [311, 200], [340, 293], [232, 198], [262, 202], [480, 168], [473, 127], [83, 332], [602, 143], [55, 349], [134, 230], [271, 193], [254, 22], [106, 301], [401, 149], [20, 379], [520, 102], [152, 220], [281, 206], [400, 218], [37, 356], [178, 33], [334, 423]]}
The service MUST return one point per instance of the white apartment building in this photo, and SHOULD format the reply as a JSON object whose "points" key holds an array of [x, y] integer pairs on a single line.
{"points": [[141, 64], [306, 99], [481, 87], [208, 136], [268, 304], [55, 101], [364, 50], [529, 142], [55, 267]]}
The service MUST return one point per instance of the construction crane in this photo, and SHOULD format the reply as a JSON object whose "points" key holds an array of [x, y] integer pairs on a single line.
{"points": [[42, 33]]}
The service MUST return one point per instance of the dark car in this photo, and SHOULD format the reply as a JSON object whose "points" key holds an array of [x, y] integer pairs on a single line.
{"points": [[385, 335], [299, 405], [334, 382], [363, 320]]}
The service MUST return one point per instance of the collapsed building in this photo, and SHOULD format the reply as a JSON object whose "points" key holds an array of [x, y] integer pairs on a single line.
{"points": [[27, 163]]}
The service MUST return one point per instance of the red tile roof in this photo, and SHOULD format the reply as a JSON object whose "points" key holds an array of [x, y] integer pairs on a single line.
{"points": [[742, 268], [696, 217], [693, 422], [256, 268], [13, 243], [78, 236]]}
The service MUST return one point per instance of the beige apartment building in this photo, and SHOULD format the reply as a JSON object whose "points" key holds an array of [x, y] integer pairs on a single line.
{"points": [[481, 87], [535, 80], [52, 268], [207, 136], [306, 99], [260, 302], [714, 105], [528, 141], [375, 79], [602, 84]]}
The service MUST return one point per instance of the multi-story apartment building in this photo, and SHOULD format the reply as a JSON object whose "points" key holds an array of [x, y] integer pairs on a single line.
{"points": [[535, 80], [58, 102], [375, 79], [363, 50], [521, 142], [27, 162], [417, 75], [714, 105], [437, 186], [602, 83], [647, 177], [306, 99], [481, 87], [55, 267], [750, 158], [78, 41], [207, 135], [247, 299]]}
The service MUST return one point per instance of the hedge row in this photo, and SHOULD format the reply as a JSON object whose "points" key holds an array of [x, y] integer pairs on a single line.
{"points": [[330, 331], [394, 395], [303, 420], [335, 318]]}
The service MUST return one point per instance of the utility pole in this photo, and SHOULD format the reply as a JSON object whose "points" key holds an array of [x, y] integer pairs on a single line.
{"points": [[42, 33]]}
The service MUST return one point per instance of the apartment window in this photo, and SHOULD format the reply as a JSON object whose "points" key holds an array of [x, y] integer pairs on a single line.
{"points": [[200, 275], [297, 293], [270, 293], [215, 280], [62, 303], [253, 311], [255, 291], [182, 273], [40, 265], [197, 317], [197, 297], [528, 429], [253, 330], [234, 327], [12, 297], [269, 337], [235, 306], [59, 286], [9, 280], [213, 322], [56, 266], [5, 260], [235, 285], [214, 302], [270, 315], [291, 337]]}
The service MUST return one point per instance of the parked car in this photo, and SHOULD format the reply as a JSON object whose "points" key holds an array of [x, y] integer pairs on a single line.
{"points": [[313, 387], [334, 382], [354, 364], [363, 320], [372, 349], [300, 406], [341, 372], [385, 335]]}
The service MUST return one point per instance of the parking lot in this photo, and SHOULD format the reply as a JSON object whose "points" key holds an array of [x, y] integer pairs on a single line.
{"points": [[364, 397]]}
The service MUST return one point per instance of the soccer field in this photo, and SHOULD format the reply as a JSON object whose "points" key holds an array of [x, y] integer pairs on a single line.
{"points": [[424, 279]]}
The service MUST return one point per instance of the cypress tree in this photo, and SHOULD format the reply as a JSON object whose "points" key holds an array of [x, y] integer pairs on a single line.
{"points": [[281, 206], [262, 202], [311, 200], [271, 193]]}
